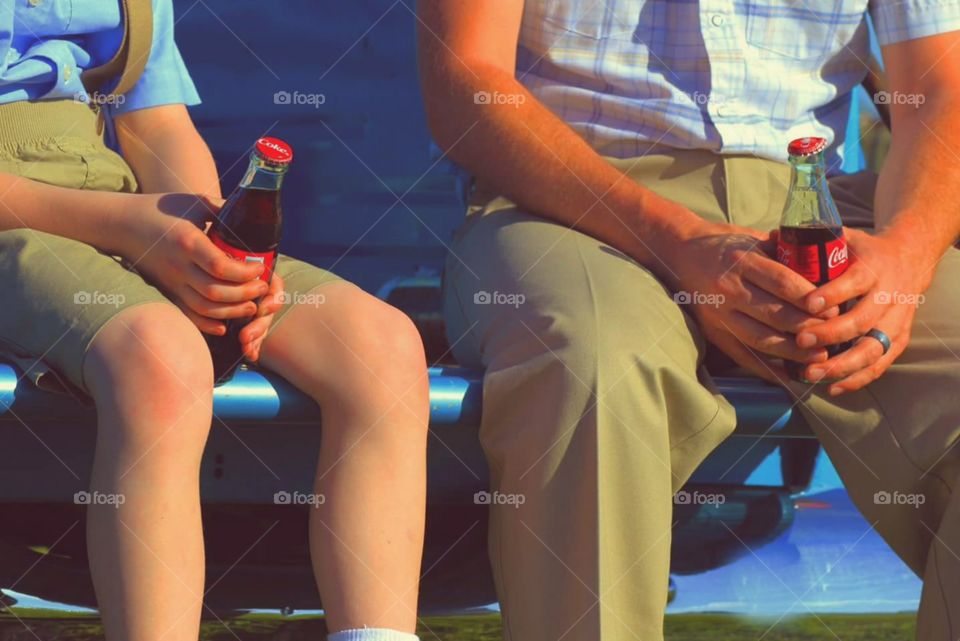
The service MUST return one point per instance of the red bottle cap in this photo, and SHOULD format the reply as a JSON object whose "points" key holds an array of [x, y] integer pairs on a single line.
{"points": [[274, 151], [806, 146]]}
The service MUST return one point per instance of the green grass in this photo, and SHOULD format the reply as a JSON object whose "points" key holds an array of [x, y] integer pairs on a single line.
{"points": [[848, 627], [718, 627], [486, 627]]}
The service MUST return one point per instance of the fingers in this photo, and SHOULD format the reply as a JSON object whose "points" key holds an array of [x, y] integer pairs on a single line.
{"points": [[775, 278], [770, 342], [216, 263], [204, 324], [273, 301], [269, 306], [862, 354], [214, 310], [221, 291], [257, 328], [865, 376], [777, 313], [845, 327], [897, 325], [252, 337], [856, 281], [758, 365]]}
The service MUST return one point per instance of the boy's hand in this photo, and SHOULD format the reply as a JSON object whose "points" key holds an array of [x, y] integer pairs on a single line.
{"points": [[251, 336], [168, 246]]}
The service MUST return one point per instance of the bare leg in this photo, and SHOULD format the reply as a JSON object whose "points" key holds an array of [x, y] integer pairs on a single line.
{"points": [[149, 372], [363, 362]]}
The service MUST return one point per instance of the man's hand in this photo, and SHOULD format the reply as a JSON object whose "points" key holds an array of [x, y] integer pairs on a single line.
{"points": [[889, 279], [167, 244], [745, 301]]}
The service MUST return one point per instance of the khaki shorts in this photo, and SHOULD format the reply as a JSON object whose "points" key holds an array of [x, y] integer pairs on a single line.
{"points": [[58, 292]]}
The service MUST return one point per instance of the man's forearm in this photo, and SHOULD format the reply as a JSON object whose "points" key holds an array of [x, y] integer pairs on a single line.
{"points": [[98, 218], [529, 155], [918, 192]]}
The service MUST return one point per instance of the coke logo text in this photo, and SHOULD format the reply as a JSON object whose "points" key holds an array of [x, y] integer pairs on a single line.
{"points": [[838, 256], [269, 144]]}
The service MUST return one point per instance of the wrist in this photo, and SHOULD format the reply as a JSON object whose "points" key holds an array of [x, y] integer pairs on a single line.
{"points": [[669, 230], [133, 214]]}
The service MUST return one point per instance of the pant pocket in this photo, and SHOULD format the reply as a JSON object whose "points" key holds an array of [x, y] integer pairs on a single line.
{"points": [[47, 162]]}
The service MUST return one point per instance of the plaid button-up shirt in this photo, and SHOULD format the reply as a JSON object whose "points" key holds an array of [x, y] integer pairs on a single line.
{"points": [[730, 76]]}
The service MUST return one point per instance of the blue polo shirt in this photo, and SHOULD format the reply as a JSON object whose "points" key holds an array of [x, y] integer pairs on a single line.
{"points": [[45, 45]]}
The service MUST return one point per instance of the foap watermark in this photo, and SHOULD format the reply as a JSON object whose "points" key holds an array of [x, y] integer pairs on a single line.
{"points": [[696, 497], [898, 298], [899, 98], [299, 98], [499, 498], [701, 98], [314, 299], [898, 498], [99, 498], [498, 298], [698, 298], [98, 298], [100, 99], [497, 98], [298, 498]]}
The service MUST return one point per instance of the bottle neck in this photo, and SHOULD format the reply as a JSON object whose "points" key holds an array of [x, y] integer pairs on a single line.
{"points": [[262, 176], [809, 201], [809, 172]]}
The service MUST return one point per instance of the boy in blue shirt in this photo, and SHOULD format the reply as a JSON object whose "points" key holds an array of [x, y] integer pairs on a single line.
{"points": [[75, 217]]}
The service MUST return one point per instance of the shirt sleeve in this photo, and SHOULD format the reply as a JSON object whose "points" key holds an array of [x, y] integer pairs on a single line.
{"points": [[899, 20], [165, 79]]}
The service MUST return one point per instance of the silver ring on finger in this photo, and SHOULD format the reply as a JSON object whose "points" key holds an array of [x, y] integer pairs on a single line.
{"points": [[881, 337]]}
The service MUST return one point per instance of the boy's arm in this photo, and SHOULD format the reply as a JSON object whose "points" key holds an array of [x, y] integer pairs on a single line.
{"points": [[98, 218], [166, 153]]}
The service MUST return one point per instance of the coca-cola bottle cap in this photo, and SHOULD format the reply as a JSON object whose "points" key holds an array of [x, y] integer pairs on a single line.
{"points": [[806, 146], [273, 151]]}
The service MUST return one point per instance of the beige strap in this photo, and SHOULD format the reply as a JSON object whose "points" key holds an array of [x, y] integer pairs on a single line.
{"points": [[131, 58]]}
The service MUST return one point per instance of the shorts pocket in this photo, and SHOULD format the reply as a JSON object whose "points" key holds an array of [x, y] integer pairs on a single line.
{"points": [[73, 163], [47, 162], [105, 169]]}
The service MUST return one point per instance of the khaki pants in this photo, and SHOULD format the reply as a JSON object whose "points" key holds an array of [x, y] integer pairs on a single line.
{"points": [[596, 408], [59, 293]]}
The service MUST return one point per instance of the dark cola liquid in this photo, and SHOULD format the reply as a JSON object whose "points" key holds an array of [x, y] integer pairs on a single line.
{"points": [[817, 252], [813, 236], [249, 223]]}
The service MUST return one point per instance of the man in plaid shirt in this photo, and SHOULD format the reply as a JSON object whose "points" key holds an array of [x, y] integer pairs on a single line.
{"points": [[629, 165]]}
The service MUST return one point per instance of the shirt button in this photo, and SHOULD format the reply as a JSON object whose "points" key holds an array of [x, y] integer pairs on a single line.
{"points": [[35, 3], [716, 20], [67, 72]]}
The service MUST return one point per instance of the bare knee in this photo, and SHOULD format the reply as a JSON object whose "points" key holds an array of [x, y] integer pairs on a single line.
{"points": [[356, 355], [381, 347], [150, 368]]}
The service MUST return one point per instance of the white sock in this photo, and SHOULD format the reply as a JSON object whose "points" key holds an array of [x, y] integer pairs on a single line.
{"points": [[372, 634]]}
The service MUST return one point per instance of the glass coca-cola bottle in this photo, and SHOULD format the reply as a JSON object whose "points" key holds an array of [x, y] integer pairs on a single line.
{"points": [[811, 240], [248, 228]]}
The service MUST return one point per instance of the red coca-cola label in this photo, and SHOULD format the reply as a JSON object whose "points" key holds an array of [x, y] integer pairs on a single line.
{"points": [[809, 260], [266, 258], [837, 257]]}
